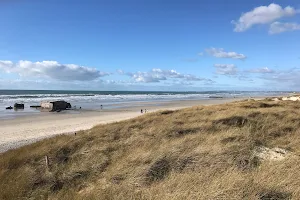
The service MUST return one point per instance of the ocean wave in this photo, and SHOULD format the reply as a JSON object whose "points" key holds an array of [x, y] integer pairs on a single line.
{"points": [[95, 97]]}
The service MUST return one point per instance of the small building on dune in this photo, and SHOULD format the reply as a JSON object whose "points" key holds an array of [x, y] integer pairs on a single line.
{"points": [[55, 105]]}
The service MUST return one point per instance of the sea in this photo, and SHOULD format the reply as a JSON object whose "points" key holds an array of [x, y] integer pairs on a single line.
{"points": [[92, 100]]}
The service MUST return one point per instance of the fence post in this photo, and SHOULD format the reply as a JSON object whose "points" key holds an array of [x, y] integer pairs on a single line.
{"points": [[47, 161]]}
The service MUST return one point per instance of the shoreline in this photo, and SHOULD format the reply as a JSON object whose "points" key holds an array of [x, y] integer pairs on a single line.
{"points": [[24, 130]]}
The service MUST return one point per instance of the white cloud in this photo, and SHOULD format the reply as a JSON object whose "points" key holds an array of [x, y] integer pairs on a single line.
{"points": [[220, 53], [5, 64], [148, 77], [226, 69], [263, 70], [201, 54], [262, 15], [278, 27], [285, 78], [52, 70], [158, 75]]}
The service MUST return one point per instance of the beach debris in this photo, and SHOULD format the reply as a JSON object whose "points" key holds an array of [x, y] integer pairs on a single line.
{"points": [[19, 106], [55, 105], [274, 154], [215, 97], [36, 106], [9, 108]]}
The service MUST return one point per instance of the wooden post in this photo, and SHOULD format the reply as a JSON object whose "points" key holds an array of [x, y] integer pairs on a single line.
{"points": [[47, 161]]}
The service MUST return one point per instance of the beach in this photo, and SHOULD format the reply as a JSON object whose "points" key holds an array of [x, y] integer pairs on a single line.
{"points": [[27, 129]]}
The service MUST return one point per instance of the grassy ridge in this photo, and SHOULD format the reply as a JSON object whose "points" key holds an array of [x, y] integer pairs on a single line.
{"points": [[203, 152]]}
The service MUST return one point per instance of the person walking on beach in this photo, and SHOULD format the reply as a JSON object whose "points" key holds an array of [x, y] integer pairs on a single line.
{"points": [[141, 110], [101, 107]]}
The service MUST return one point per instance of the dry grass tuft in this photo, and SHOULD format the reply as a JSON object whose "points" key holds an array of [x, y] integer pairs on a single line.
{"points": [[167, 112], [232, 121], [261, 105], [203, 152], [158, 170], [273, 195]]}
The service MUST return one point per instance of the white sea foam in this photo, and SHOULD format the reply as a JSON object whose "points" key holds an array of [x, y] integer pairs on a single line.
{"points": [[75, 97]]}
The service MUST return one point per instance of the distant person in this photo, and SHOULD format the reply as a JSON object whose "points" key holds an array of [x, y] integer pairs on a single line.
{"points": [[80, 107], [141, 110], [101, 107]]}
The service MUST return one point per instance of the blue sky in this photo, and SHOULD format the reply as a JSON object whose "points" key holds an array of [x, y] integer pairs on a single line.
{"points": [[150, 45]]}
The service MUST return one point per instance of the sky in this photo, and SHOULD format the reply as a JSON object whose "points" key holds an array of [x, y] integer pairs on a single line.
{"points": [[167, 45]]}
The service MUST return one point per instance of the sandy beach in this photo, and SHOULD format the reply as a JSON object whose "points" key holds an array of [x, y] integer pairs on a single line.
{"points": [[28, 129]]}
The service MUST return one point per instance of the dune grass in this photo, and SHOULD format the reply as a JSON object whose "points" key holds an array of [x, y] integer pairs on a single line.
{"points": [[203, 152]]}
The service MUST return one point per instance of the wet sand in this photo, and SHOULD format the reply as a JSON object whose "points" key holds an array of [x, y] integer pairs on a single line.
{"points": [[28, 129]]}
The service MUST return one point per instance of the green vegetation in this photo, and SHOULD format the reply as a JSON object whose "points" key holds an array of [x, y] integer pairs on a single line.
{"points": [[203, 152]]}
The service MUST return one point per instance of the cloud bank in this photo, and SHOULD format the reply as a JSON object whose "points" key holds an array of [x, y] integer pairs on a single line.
{"points": [[158, 75], [278, 27], [262, 15], [52, 70], [285, 78]]}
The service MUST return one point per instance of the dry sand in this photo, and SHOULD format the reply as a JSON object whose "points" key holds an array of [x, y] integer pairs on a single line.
{"points": [[28, 129]]}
